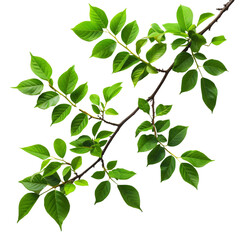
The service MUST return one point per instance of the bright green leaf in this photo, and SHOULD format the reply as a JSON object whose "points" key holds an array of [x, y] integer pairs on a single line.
{"points": [[78, 94], [104, 134], [95, 99], [156, 155], [172, 28], [60, 112], [78, 124], [139, 44], [51, 169], [145, 126], [189, 80], [162, 125], [111, 165], [163, 109], [118, 22], [176, 135], [214, 67], [178, 42], [60, 147], [138, 73], [112, 91], [130, 32], [45, 163], [69, 188], [184, 17], [30, 86], [189, 174], [204, 17], [122, 174], [76, 162], [111, 111], [37, 150], [144, 105], [81, 182], [95, 109], [47, 99], [104, 48], [146, 143], [167, 168], [96, 128], [156, 52], [66, 173], [200, 56], [98, 16], [102, 191], [218, 40]]}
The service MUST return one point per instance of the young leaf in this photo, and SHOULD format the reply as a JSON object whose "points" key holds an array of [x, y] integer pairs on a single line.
{"points": [[104, 48], [172, 28], [163, 109], [218, 40], [95, 109], [98, 16], [197, 41], [98, 175], [182, 62], [178, 42], [130, 195], [51, 169], [189, 80], [104, 134], [122, 174], [139, 44], [184, 17], [26, 204], [69, 188], [209, 93], [88, 31], [68, 80], [60, 112], [162, 125], [167, 168], [111, 165], [81, 182], [76, 162], [130, 32], [200, 56], [145, 126], [111, 111], [57, 206], [47, 99], [156, 52], [111, 92], [96, 128], [152, 70], [144, 105], [156, 33], [176, 135], [118, 22], [102, 191], [78, 124], [60, 147], [37, 150], [189, 174], [41, 67], [204, 17], [156, 155], [138, 73], [214, 67], [78, 94], [95, 99], [30, 86], [146, 143]]}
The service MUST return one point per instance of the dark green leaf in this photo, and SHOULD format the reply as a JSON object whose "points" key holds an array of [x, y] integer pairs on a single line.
{"points": [[144, 105], [184, 17], [122, 174], [139, 72], [176, 135], [167, 168], [95, 109], [98, 16], [60, 147], [197, 41], [111, 92], [146, 143], [88, 31], [81, 182], [163, 109], [76, 162], [145, 126], [69, 188], [66, 173], [204, 17], [111, 111], [118, 22], [111, 165], [162, 125], [182, 62], [156, 155], [47, 99], [139, 44], [130, 195], [156, 52], [41, 67], [53, 180], [130, 32], [79, 93], [96, 128], [189, 80], [104, 134], [95, 99], [30, 86], [26, 204], [218, 40], [102, 191], [78, 124], [209, 93], [200, 56], [57, 206], [178, 42], [98, 175], [161, 138], [60, 112], [38, 150], [189, 174], [104, 49], [51, 169], [214, 67]]}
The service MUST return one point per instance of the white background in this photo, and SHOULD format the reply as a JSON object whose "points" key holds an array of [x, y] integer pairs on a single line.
{"points": [[172, 209]]}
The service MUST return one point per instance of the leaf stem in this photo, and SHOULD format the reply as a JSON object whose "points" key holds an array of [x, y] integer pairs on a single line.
{"points": [[195, 60]]}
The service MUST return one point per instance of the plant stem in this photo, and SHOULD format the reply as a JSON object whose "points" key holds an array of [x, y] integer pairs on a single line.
{"points": [[195, 60]]}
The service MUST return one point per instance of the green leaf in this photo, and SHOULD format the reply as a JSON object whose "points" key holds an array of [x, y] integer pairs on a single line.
{"points": [[178, 43], [104, 48], [118, 22], [66, 173], [151, 69], [102, 191], [37, 150], [161, 138], [196, 158], [81, 182], [111, 165], [81, 150], [53, 180], [145, 126], [209, 93], [60, 112], [78, 94], [214, 67], [51, 169], [189, 80], [35, 183], [156, 33], [96, 128], [156, 155], [167, 168], [104, 134], [176, 135], [162, 125], [203, 17], [76, 162], [60, 147], [111, 111], [95, 109], [98, 175], [182, 62], [172, 28], [69, 188], [146, 143], [45, 163], [163, 109], [130, 32], [139, 72], [57, 206], [197, 41], [122, 174], [144, 105], [200, 56], [88, 31], [184, 17], [111, 92], [30, 86], [78, 124], [130, 195], [47, 99], [82, 141], [189, 174], [218, 40], [98, 16], [26, 204], [139, 44], [41, 67], [156, 52], [68, 80], [95, 99]]}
